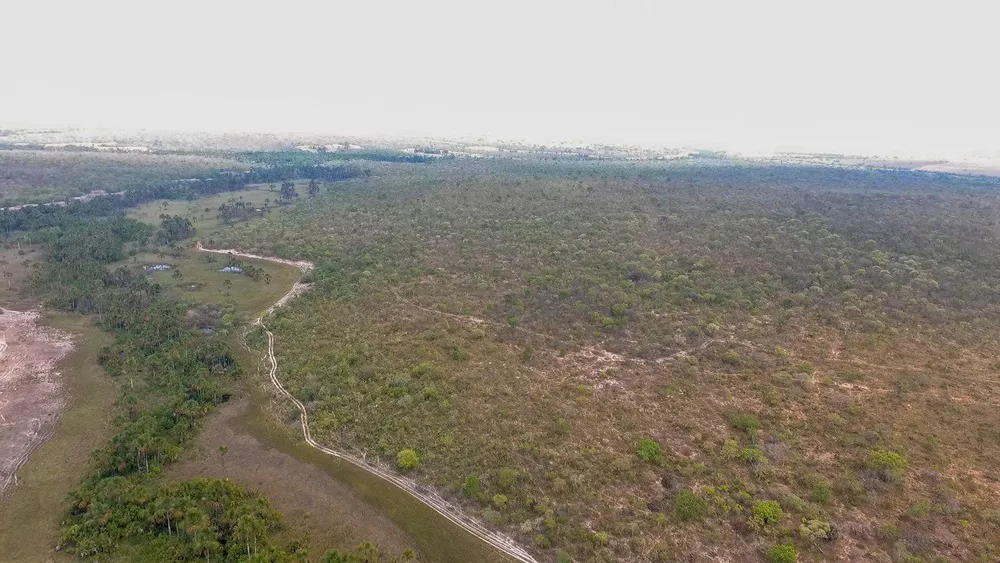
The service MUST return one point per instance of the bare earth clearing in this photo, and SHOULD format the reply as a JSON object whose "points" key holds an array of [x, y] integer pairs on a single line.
{"points": [[966, 168], [30, 390]]}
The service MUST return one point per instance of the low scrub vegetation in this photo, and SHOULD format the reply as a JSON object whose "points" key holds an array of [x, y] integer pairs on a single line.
{"points": [[617, 334]]}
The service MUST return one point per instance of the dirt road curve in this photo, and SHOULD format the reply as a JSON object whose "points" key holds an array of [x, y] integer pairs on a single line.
{"points": [[421, 493]]}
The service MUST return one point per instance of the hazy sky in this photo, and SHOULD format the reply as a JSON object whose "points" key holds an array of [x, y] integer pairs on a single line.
{"points": [[867, 76]]}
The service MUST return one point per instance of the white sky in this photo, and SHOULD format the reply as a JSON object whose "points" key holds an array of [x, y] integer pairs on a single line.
{"points": [[870, 76]]}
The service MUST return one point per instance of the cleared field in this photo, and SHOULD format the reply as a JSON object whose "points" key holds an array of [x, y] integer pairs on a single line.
{"points": [[30, 513], [31, 394]]}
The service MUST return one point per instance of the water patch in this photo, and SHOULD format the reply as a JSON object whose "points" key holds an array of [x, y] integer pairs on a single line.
{"points": [[232, 270], [157, 267]]}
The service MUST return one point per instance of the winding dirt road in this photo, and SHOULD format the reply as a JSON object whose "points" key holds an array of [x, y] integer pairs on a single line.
{"points": [[421, 493]]}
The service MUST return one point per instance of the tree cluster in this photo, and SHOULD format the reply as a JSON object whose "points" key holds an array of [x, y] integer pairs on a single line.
{"points": [[174, 228]]}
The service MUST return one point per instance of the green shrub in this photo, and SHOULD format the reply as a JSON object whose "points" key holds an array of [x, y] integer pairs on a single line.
{"points": [[766, 512], [806, 367], [782, 554], [500, 501], [471, 486], [793, 502], [649, 450], [888, 465], [561, 427], [507, 478], [425, 368], [598, 538], [407, 459], [494, 517], [458, 353], [746, 423], [815, 530], [851, 489], [821, 490], [752, 455], [919, 510], [732, 358], [731, 449], [542, 542], [563, 557], [689, 506]]}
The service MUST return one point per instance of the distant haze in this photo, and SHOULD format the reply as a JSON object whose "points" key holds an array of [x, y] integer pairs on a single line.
{"points": [[877, 77]]}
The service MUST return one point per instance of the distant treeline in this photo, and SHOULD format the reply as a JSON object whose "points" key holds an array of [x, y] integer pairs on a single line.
{"points": [[305, 158], [33, 217]]}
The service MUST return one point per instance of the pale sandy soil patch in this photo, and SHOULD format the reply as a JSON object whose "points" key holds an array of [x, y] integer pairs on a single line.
{"points": [[972, 168], [30, 388]]}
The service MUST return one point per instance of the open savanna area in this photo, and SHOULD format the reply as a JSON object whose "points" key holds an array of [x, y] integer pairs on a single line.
{"points": [[697, 360], [202, 277], [36, 176], [203, 212]]}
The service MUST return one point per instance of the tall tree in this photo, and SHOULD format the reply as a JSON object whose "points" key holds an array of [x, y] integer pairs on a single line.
{"points": [[288, 191]]}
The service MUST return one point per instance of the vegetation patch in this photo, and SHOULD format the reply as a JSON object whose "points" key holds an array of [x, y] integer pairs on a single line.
{"points": [[839, 310]]}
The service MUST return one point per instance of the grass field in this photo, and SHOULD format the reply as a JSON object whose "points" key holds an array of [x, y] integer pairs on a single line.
{"points": [[29, 517], [201, 281], [202, 212]]}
